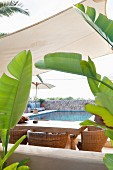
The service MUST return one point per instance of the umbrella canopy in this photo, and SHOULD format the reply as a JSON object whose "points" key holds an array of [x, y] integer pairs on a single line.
{"points": [[66, 31], [40, 85]]}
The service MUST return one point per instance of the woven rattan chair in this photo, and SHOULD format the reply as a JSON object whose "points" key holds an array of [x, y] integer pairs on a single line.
{"points": [[58, 140], [17, 134], [92, 140]]}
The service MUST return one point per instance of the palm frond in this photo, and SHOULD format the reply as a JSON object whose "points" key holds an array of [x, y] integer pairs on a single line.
{"points": [[11, 7], [2, 34]]}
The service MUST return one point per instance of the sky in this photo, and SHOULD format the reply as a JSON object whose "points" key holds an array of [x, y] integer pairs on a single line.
{"points": [[109, 11], [74, 85], [65, 84], [38, 9]]}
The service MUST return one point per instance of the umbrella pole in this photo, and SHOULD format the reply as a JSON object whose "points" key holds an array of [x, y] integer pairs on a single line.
{"points": [[36, 92]]}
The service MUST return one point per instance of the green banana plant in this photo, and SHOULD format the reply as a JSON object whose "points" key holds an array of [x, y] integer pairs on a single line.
{"points": [[101, 24], [101, 87], [14, 93]]}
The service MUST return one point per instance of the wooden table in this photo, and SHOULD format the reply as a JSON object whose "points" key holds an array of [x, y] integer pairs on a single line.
{"points": [[53, 127]]}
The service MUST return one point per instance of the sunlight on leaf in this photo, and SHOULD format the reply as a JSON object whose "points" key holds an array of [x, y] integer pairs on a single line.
{"points": [[101, 24], [10, 152], [14, 92], [12, 166], [108, 160]]}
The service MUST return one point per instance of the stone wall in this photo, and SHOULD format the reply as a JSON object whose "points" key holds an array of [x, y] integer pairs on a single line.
{"points": [[66, 104]]}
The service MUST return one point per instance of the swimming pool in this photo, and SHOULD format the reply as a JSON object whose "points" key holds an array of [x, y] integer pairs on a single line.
{"points": [[61, 115]]}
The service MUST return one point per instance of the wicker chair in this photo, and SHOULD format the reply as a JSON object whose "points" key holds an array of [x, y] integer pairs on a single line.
{"points": [[92, 140], [17, 134], [56, 140]]}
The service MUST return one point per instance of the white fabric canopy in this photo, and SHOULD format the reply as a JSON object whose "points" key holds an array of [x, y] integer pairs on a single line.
{"points": [[66, 31]]}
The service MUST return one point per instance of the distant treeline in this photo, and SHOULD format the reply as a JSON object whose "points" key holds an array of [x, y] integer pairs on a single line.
{"points": [[66, 98], [58, 98]]}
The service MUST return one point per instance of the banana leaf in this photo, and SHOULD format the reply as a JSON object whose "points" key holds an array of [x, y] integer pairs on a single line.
{"points": [[14, 166], [101, 88], [108, 160], [105, 101], [107, 131], [105, 89], [100, 24], [56, 61], [65, 62], [106, 115], [10, 152], [14, 90], [73, 63]]}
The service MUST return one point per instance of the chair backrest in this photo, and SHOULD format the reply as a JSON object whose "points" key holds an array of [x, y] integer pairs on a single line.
{"points": [[17, 134], [56, 140], [93, 128], [93, 139]]}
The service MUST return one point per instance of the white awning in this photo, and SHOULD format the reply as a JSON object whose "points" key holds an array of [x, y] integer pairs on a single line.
{"points": [[66, 31]]}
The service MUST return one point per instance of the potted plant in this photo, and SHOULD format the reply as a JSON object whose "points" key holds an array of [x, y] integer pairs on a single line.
{"points": [[101, 87], [41, 102], [14, 93]]}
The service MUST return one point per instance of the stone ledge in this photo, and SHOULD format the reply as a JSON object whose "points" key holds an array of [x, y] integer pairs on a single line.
{"points": [[43, 158]]}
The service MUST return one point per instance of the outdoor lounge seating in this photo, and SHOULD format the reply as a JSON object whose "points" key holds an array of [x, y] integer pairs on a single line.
{"points": [[92, 140], [17, 134], [55, 140], [33, 105]]}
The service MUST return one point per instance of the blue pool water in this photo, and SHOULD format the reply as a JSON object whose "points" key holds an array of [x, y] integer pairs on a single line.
{"points": [[63, 116]]}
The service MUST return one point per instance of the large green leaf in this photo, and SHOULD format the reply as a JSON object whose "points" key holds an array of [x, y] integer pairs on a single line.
{"points": [[56, 61], [10, 152], [108, 160], [89, 70], [73, 63], [101, 88], [14, 92], [3, 136], [106, 89], [86, 69], [109, 133], [68, 62], [90, 122], [101, 24], [23, 168], [23, 162], [91, 13], [102, 112], [105, 101], [12, 166], [93, 86]]}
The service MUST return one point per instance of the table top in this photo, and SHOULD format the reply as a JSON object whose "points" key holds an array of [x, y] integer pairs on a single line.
{"points": [[53, 126]]}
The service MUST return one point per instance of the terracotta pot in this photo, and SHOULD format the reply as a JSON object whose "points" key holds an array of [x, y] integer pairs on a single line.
{"points": [[42, 105]]}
